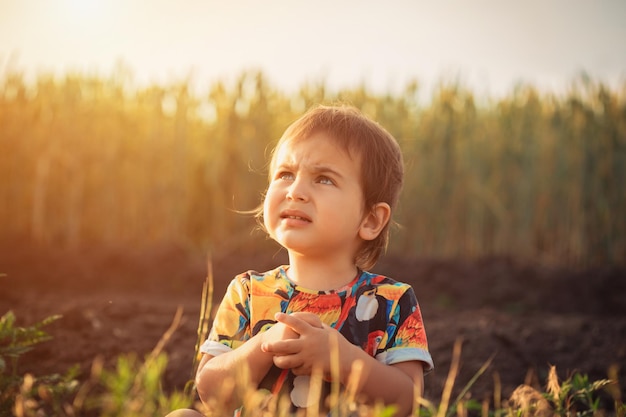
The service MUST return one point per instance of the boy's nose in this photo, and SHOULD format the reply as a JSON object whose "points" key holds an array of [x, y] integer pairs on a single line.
{"points": [[297, 191]]}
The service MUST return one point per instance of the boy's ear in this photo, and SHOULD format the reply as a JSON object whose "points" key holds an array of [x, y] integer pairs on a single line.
{"points": [[374, 221]]}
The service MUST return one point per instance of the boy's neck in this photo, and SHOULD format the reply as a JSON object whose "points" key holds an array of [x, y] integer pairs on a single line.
{"points": [[320, 274]]}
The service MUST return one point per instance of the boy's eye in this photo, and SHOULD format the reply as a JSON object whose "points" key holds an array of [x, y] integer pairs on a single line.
{"points": [[288, 176], [325, 180]]}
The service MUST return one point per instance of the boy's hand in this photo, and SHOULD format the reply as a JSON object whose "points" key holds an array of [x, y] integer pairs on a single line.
{"points": [[278, 332], [310, 318], [281, 331], [312, 348]]}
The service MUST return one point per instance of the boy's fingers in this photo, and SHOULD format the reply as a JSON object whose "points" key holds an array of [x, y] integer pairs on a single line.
{"points": [[286, 362], [298, 325], [280, 347], [310, 318]]}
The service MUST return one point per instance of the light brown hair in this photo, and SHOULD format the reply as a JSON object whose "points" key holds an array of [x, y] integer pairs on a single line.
{"points": [[382, 169]]}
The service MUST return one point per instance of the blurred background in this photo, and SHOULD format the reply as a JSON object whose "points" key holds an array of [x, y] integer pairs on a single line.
{"points": [[133, 133], [146, 122]]}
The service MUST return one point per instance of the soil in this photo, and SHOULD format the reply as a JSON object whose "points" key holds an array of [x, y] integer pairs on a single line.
{"points": [[525, 316]]}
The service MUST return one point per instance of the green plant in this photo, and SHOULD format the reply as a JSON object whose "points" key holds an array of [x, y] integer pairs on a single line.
{"points": [[577, 395], [46, 394], [133, 388], [49, 395], [15, 341]]}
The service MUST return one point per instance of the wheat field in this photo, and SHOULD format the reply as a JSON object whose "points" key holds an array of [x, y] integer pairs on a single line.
{"points": [[96, 160]]}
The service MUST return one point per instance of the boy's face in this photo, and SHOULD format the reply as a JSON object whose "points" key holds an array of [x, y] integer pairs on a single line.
{"points": [[314, 203]]}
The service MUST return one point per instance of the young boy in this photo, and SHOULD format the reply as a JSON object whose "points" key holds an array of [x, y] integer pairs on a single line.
{"points": [[334, 181]]}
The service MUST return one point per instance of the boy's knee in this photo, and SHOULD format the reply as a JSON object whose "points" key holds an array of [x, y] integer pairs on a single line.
{"points": [[184, 413]]}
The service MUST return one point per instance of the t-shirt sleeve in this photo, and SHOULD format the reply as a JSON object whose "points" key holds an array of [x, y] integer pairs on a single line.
{"points": [[231, 326], [406, 334]]}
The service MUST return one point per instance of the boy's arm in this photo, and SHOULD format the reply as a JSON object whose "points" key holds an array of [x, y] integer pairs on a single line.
{"points": [[397, 384], [393, 384], [217, 375], [248, 360]]}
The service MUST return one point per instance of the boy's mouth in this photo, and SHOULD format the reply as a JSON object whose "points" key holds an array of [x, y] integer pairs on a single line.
{"points": [[295, 216]]}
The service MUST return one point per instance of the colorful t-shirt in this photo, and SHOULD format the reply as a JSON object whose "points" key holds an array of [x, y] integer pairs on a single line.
{"points": [[374, 312]]}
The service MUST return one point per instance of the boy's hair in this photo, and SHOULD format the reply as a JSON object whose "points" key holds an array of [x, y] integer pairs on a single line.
{"points": [[382, 168]]}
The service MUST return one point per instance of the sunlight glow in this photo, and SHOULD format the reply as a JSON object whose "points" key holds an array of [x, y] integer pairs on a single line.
{"points": [[83, 9]]}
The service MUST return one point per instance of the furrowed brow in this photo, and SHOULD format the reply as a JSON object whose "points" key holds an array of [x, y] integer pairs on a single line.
{"points": [[324, 169], [285, 166]]}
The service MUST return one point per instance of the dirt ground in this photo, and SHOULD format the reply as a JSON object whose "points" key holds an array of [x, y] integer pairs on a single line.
{"points": [[119, 300]]}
